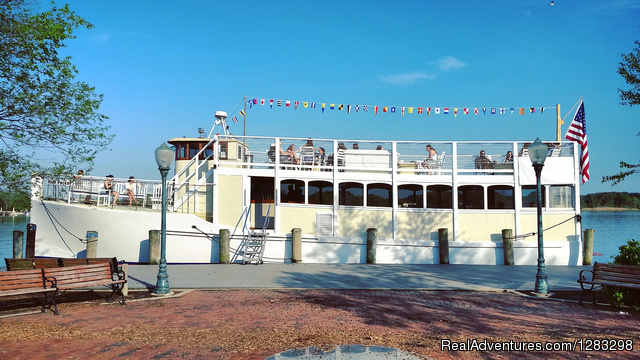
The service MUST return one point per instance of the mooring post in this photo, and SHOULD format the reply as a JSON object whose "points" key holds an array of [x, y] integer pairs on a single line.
{"points": [[92, 244], [587, 247], [223, 246], [154, 247], [18, 244], [296, 245], [443, 245], [31, 241], [372, 241], [507, 246]]}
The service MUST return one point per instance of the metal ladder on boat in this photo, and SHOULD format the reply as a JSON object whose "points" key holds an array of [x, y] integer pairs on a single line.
{"points": [[253, 243]]}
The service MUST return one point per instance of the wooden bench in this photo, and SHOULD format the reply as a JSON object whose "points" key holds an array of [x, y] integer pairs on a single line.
{"points": [[30, 263], [621, 276], [32, 281], [37, 263], [87, 276], [113, 262]]}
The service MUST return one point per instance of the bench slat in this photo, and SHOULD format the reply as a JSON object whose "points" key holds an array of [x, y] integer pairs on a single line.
{"points": [[617, 277], [613, 283], [93, 283]]}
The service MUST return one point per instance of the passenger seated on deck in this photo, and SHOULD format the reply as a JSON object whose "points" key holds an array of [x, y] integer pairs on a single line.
{"points": [[292, 156], [482, 162], [432, 160], [508, 159], [131, 191], [108, 186], [320, 157], [356, 146]]}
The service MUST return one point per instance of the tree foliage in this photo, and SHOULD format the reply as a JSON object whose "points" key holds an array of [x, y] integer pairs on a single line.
{"points": [[629, 69], [629, 255], [44, 111]]}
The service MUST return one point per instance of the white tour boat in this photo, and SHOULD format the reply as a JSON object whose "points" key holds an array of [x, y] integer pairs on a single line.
{"points": [[333, 194]]}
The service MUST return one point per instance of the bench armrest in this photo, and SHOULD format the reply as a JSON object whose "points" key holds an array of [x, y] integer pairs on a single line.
{"points": [[119, 274], [51, 281], [582, 278]]}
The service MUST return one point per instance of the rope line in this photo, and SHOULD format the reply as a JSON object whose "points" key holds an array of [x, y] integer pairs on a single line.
{"points": [[523, 236]]}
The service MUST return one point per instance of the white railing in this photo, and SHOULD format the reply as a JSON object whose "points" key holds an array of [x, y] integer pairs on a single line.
{"points": [[403, 157]]}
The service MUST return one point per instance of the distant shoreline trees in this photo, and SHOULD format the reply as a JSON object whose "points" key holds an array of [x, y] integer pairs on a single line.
{"points": [[610, 200]]}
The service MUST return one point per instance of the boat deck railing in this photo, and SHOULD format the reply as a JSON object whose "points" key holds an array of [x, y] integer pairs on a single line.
{"points": [[402, 157]]}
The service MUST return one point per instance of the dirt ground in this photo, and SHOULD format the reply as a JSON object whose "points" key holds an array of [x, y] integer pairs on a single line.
{"points": [[254, 324]]}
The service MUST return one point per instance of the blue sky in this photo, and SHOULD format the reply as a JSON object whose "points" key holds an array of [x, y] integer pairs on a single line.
{"points": [[165, 68]]}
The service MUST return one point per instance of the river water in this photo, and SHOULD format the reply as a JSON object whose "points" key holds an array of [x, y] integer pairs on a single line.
{"points": [[612, 230]]}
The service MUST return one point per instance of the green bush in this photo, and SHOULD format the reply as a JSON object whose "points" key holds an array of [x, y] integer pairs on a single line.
{"points": [[629, 255]]}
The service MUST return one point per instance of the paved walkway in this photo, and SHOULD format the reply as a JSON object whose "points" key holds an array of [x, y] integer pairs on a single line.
{"points": [[258, 316], [354, 276]]}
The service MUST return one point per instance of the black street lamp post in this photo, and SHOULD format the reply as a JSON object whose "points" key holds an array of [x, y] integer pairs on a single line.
{"points": [[164, 157], [538, 154]]}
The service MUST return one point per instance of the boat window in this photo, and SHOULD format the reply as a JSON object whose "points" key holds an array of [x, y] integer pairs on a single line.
{"points": [[351, 193], [529, 195], [320, 192], [561, 196], [181, 151], [208, 151], [410, 196], [379, 195], [292, 191], [439, 197], [193, 150], [224, 153], [262, 189], [471, 197], [500, 197]]}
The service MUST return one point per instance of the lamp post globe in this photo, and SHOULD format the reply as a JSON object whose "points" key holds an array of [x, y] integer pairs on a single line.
{"points": [[537, 155], [164, 156]]}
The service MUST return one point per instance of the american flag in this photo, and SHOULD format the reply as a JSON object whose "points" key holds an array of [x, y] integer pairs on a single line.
{"points": [[578, 132]]}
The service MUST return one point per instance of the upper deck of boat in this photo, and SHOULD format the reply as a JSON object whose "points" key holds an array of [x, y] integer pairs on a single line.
{"points": [[373, 159]]}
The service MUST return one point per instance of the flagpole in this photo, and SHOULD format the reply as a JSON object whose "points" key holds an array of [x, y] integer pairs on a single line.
{"points": [[244, 128], [559, 122]]}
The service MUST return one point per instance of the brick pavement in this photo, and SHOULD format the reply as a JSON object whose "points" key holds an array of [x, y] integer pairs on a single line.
{"points": [[253, 324]]}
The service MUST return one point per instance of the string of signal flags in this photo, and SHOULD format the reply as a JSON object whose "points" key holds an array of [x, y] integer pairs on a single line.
{"points": [[375, 109]]}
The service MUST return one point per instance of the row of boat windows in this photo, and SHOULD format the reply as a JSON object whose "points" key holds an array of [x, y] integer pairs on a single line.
{"points": [[413, 196]]}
